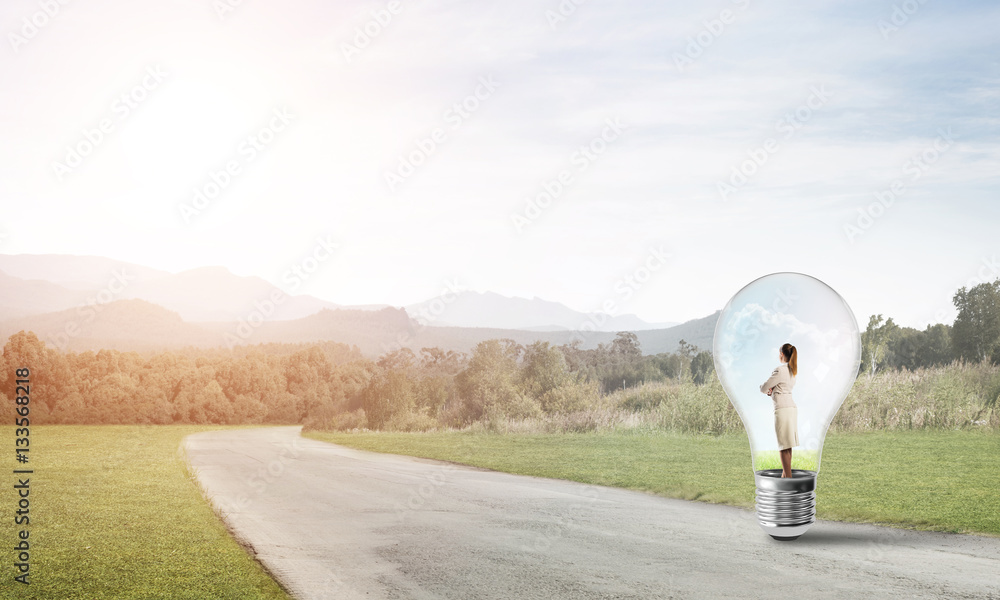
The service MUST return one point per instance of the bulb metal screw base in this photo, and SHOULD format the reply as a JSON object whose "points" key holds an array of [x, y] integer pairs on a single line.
{"points": [[786, 506]]}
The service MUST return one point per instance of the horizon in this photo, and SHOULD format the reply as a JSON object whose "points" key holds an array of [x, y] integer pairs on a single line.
{"points": [[861, 319]]}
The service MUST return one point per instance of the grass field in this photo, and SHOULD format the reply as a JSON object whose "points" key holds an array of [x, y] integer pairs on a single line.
{"points": [[934, 480], [114, 514]]}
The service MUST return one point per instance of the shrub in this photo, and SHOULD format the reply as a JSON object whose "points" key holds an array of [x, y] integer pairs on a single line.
{"points": [[570, 397], [355, 419]]}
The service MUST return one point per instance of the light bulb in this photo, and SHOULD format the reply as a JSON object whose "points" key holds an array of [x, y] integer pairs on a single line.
{"points": [[805, 312]]}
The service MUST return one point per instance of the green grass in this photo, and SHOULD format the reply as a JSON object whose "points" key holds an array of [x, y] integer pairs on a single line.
{"points": [[115, 514], [933, 480], [801, 459]]}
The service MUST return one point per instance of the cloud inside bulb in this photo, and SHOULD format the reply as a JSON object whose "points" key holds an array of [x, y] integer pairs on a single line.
{"points": [[796, 329]]}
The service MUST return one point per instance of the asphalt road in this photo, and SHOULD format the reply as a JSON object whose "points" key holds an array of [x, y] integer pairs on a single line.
{"points": [[332, 522]]}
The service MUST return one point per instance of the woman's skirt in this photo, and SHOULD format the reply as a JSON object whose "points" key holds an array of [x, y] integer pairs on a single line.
{"points": [[786, 427]]}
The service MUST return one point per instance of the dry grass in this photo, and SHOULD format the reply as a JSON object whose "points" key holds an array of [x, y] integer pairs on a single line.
{"points": [[957, 396], [962, 396]]}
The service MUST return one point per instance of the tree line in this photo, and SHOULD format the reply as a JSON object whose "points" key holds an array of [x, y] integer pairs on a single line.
{"points": [[316, 383], [973, 337]]}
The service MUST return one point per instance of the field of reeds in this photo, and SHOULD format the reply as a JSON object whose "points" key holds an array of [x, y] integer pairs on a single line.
{"points": [[959, 396]]}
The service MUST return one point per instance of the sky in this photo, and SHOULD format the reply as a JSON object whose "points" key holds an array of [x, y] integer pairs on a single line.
{"points": [[650, 157]]}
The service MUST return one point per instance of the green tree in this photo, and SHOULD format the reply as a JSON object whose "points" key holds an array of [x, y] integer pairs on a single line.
{"points": [[686, 350], [400, 359], [670, 364], [544, 369], [577, 359], [875, 340], [434, 392], [903, 348], [217, 407], [976, 333], [936, 349], [626, 347], [435, 361], [389, 395], [353, 378], [909, 348], [308, 374], [702, 366], [249, 381], [490, 386], [201, 400], [49, 374]]}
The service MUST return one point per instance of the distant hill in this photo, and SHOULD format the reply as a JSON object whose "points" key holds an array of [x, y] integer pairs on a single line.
{"points": [[489, 309], [89, 273], [203, 294], [92, 302], [19, 297], [697, 332], [216, 294], [142, 326], [367, 329], [120, 325], [376, 332]]}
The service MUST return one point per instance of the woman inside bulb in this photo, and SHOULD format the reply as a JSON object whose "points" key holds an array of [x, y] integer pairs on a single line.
{"points": [[779, 387]]}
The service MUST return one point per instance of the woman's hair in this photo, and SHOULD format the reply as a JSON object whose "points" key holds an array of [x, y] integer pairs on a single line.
{"points": [[788, 351]]}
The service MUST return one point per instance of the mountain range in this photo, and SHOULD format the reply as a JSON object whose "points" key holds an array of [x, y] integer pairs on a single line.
{"points": [[82, 303]]}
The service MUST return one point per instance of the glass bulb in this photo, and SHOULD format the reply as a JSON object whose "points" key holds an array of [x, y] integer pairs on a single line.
{"points": [[805, 312]]}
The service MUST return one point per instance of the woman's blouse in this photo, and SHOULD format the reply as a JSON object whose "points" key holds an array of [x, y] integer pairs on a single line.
{"points": [[782, 381]]}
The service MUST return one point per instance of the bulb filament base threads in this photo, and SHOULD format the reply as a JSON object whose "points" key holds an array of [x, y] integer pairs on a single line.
{"points": [[786, 507]]}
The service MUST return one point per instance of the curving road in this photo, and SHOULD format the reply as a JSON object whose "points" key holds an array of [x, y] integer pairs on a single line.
{"points": [[333, 522]]}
